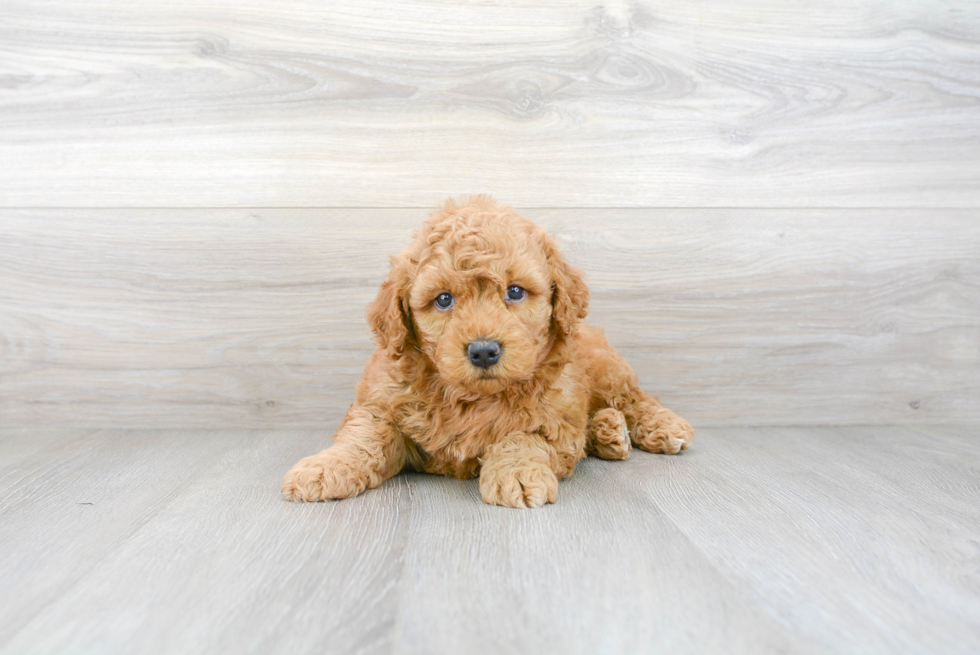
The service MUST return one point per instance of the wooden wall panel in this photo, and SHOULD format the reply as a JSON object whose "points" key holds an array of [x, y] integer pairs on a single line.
{"points": [[756, 270], [550, 104], [254, 318]]}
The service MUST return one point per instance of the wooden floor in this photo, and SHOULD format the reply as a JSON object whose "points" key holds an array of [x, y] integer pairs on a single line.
{"points": [[802, 540]]}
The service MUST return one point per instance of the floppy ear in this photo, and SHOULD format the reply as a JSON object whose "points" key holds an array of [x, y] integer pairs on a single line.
{"points": [[389, 315], [570, 295]]}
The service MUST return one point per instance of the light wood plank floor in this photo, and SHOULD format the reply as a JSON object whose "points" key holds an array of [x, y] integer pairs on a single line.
{"points": [[805, 540]]}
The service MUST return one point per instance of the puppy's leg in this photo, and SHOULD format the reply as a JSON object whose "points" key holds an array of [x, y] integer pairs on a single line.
{"points": [[517, 472], [607, 436], [652, 426], [366, 452]]}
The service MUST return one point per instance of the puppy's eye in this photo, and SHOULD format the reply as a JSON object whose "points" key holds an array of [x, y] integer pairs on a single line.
{"points": [[516, 293], [444, 300]]}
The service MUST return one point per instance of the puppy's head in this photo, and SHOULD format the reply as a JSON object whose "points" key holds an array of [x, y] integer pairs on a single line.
{"points": [[482, 295]]}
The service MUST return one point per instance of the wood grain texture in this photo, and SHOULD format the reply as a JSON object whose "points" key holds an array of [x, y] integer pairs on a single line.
{"points": [[807, 540], [255, 318], [225, 566], [78, 497], [556, 104], [877, 525], [602, 571]]}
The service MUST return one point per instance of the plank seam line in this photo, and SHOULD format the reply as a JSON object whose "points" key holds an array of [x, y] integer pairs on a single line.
{"points": [[520, 207]]}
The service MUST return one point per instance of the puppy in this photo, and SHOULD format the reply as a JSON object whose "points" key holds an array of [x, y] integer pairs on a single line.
{"points": [[484, 368]]}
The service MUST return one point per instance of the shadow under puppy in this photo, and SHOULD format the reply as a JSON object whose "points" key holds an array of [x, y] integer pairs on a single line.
{"points": [[483, 367]]}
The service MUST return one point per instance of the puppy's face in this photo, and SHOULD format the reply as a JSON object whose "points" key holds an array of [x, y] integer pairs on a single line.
{"points": [[481, 302], [483, 295]]}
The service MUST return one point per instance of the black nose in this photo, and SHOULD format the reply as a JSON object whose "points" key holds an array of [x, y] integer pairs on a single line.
{"points": [[483, 352]]}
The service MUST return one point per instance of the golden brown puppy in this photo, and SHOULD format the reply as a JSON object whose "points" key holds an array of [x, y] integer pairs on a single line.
{"points": [[484, 368]]}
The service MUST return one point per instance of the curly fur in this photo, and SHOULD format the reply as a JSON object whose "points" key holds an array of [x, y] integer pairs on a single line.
{"points": [[559, 391]]}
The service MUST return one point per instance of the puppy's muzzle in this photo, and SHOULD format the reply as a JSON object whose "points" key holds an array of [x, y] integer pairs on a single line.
{"points": [[484, 352]]}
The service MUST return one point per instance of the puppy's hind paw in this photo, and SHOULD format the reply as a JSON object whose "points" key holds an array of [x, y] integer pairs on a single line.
{"points": [[608, 436], [662, 431]]}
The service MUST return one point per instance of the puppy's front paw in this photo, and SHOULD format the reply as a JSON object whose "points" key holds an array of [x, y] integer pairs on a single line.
{"points": [[662, 431], [324, 476], [530, 484]]}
